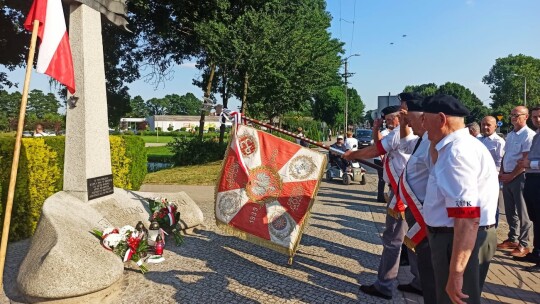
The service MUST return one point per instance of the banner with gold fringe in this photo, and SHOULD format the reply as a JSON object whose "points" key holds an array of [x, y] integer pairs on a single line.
{"points": [[266, 189]]}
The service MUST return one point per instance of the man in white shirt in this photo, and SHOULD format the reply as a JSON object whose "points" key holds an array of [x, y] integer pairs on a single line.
{"points": [[493, 142], [460, 203], [395, 228], [531, 192], [495, 145], [351, 143], [512, 176], [412, 190]]}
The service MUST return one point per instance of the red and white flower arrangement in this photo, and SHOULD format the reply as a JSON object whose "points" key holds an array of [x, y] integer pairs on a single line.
{"points": [[126, 242], [166, 214]]}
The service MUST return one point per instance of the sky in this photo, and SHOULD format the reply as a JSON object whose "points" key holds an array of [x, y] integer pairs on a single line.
{"points": [[455, 41]]}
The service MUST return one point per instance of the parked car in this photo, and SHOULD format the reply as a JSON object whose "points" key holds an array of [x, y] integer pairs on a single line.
{"points": [[364, 137], [27, 134]]}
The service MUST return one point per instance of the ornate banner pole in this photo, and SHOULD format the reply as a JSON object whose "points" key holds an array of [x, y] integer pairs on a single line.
{"points": [[315, 143]]}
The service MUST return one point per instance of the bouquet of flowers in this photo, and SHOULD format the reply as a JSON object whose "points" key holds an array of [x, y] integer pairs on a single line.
{"points": [[165, 213], [126, 242]]}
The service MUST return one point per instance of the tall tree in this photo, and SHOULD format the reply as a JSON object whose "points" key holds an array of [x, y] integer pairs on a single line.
{"points": [[507, 87], [186, 104]]}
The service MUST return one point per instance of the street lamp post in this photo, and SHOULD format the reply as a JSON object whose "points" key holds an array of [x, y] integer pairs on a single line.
{"points": [[346, 75], [524, 89]]}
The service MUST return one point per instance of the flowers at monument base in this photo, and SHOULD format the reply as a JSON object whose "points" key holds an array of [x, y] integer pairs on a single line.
{"points": [[126, 242], [166, 215]]}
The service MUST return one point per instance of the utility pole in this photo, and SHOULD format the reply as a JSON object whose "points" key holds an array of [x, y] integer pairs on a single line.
{"points": [[346, 75]]}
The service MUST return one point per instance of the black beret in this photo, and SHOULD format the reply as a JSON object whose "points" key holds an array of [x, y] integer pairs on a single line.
{"points": [[390, 110], [446, 104], [413, 100]]}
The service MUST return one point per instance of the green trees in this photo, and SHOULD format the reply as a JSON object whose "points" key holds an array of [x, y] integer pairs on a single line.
{"points": [[469, 99], [42, 108], [506, 81], [329, 106], [172, 104]]}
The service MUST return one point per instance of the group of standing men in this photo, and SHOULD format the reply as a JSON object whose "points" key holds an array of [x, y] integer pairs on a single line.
{"points": [[451, 223]]}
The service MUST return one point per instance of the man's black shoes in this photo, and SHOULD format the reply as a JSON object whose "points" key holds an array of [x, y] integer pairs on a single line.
{"points": [[410, 288], [372, 291]]}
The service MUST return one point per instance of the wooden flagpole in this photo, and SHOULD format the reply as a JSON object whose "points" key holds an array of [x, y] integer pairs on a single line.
{"points": [[316, 143], [17, 151]]}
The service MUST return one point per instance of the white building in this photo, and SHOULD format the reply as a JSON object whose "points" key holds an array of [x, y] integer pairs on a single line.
{"points": [[178, 122]]}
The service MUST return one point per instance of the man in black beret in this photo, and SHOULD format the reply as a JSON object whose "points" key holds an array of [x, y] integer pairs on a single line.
{"points": [[460, 203], [413, 184], [395, 226]]}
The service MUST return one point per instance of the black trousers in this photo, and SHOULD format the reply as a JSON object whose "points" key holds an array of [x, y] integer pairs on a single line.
{"points": [[380, 186], [531, 194]]}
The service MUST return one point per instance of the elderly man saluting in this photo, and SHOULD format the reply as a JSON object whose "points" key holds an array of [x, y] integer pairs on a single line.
{"points": [[460, 203], [396, 227]]}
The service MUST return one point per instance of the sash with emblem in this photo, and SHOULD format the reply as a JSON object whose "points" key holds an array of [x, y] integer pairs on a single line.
{"points": [[396, 208], [266, 189], [417, 231]]}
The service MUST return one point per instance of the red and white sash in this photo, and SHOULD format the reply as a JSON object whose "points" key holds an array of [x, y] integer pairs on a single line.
{"points": [[417, 232], [396, 208]]}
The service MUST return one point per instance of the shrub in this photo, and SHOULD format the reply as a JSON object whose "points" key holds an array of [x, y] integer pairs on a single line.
{"points": [[40, 174], [194, 151]]}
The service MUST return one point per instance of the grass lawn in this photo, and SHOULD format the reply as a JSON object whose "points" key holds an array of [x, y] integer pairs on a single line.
{"points": [[206, 174], [157, 139], [159, 151]]}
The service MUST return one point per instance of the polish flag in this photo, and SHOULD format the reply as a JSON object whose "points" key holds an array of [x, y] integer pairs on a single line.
{"points": [[54, 58]]}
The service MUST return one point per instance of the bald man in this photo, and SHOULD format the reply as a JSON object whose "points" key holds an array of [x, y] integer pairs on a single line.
{"points": [[493, 142], [512, 176]]}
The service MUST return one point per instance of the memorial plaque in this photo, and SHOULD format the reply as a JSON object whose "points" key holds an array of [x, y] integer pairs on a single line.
{"points": [[100, 186]]}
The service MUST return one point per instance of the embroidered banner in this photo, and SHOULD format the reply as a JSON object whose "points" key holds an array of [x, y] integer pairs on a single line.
{"points": [[266, 189]]}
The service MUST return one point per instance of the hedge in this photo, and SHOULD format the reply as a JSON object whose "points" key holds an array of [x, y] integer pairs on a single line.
{"points": [[41, 170]]}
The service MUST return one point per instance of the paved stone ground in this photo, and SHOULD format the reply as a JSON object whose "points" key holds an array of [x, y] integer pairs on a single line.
{"points": [[339, 251]]}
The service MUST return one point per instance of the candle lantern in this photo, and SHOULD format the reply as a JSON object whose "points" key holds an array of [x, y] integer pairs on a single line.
{"points": [[153, 233], [159, 245]]}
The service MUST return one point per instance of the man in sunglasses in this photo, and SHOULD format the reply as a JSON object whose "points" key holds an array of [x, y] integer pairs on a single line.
{"points": [[512, 176]]}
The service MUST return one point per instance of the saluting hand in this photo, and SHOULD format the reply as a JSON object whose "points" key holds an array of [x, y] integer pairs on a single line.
{"points": [[454, 286]]}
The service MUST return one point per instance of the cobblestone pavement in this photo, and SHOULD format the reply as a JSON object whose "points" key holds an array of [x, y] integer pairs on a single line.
{"points": [[339, 251]]}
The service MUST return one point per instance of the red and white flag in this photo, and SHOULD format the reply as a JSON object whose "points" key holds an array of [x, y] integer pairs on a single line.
{"points": [[54, 58], [266, 189]]}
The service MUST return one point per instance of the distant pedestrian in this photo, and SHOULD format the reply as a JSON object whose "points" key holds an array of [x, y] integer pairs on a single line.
{"points": [[300, 134], [39, 131], [512, 176], [351, 143], [329, 134]]}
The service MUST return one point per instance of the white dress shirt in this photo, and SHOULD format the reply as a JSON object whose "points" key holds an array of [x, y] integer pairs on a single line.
{"points": [[390, 145], [495, 145], [462, 183], [418, 168], [516, 144]]}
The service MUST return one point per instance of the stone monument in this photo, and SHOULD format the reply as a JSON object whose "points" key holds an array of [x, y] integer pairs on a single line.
{"points": [[65, 262]]}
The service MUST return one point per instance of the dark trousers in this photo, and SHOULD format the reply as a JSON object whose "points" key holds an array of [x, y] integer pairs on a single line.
{"points": [[476, 270], [516, 211], [423, 264], [531, 193], [380, 186]]}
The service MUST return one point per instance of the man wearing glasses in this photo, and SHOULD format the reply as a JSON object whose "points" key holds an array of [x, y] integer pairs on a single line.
{"points": [[512, 176]]}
